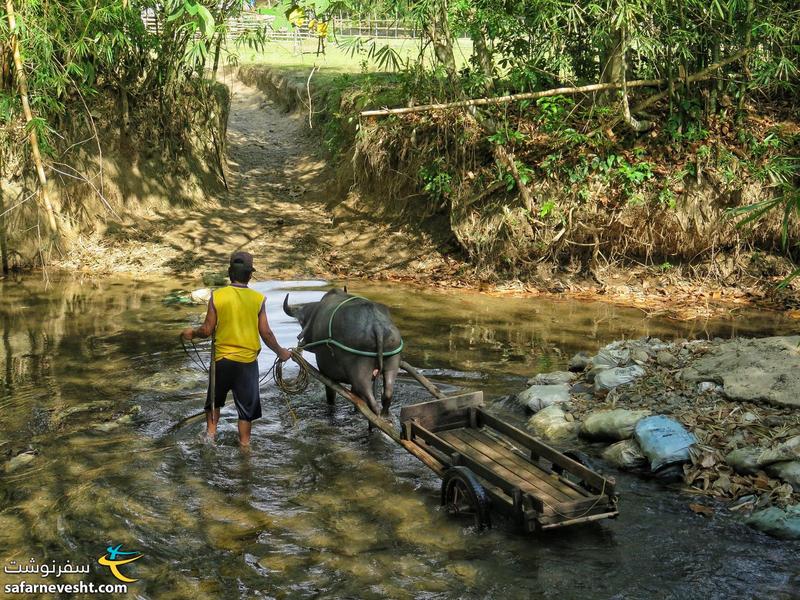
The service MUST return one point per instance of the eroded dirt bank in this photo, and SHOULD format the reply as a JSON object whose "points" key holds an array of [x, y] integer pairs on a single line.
{"points": [[286, 205]]}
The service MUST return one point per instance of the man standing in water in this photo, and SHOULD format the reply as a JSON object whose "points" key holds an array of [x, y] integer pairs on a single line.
{"points": [[237, 316]]}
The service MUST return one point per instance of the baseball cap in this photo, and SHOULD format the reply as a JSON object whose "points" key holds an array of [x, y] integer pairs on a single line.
{"points": [[242, 258]]}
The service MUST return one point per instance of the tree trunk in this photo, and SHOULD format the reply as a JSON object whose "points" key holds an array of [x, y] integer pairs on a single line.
{"points": [[217, 49], [483, 57], [748, 40], [613, 64], [438, 31], [3, 240], [22, 81]]}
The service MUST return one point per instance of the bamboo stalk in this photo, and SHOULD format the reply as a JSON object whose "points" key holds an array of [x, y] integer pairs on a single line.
{"points": [[595, 87], [22, 81]]}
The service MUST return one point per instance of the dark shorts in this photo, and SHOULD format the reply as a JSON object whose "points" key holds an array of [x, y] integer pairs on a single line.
{"points": [[242, 380]]}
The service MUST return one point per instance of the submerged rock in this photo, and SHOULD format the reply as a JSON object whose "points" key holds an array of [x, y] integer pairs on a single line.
{"points": [[611, 425], [552, 423], [779, 523], [537, 397], [20, 460]]}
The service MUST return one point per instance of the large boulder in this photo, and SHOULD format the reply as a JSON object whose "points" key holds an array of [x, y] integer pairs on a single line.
{"points": [[753, 370]]}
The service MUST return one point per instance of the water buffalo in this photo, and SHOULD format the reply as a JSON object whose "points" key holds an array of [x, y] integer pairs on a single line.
{"points": [[354, 340]]}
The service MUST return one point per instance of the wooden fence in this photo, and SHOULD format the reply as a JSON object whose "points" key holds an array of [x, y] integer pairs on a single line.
{"points": [[249, 21]]}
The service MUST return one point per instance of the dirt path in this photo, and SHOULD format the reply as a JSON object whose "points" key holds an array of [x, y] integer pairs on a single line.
{"points": [[276, 208]]}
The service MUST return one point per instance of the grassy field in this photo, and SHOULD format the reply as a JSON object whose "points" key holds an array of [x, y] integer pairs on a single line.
{"points": [[302, 56]]}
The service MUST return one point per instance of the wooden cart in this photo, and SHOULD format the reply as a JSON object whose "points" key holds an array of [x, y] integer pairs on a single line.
{"points": [[489, 465]]}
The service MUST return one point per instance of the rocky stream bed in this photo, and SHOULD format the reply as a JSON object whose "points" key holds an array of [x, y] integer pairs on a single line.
{"points": [[718, 417]]}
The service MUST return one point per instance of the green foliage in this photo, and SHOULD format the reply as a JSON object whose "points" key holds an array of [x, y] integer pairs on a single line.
{"points": [[437, 182], [553, 111]]}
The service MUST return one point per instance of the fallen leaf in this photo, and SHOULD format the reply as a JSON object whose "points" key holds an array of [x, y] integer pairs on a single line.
{"points": [[702, 509]]}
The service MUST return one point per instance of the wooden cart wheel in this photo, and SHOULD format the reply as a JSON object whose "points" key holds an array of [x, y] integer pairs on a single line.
{"points": [[464, 496]]}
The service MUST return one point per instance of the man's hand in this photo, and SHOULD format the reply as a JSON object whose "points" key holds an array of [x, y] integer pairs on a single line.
{"points": [[187, 334], [284, 354]]}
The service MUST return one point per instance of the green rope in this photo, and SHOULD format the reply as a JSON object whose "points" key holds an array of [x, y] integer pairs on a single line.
{"points": [[338, 344]]}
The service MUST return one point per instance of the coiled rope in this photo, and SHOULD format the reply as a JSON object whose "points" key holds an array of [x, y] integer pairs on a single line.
{"points": [[288, 386]]}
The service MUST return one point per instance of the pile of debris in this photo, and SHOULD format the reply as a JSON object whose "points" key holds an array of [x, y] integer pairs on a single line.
{"points": [[722, 416]]}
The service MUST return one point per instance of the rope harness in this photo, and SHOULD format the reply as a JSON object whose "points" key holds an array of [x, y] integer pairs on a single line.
{"points": [[330, 341]]}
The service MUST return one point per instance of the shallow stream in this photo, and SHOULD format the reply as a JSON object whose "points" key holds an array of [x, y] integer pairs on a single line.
{"points": [[92, 377]]}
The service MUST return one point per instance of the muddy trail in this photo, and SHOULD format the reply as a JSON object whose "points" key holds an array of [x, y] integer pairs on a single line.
{"points": [[278, 207]]}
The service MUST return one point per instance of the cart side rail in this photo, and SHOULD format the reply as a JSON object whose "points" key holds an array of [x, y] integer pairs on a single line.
{"points": [[542, 450]]}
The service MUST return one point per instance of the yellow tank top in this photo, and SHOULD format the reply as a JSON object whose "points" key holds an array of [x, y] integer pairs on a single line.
{"points": [[237, 323]]}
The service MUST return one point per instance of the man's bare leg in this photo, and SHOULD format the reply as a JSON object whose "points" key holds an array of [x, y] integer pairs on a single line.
{"points": [[212, 418], [244, 433]]}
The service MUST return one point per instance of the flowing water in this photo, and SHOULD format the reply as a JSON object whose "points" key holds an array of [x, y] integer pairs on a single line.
{"points": [[92, 377]]}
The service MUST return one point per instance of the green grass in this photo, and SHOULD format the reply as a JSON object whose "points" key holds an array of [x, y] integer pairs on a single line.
{"points": [[302, 56]]}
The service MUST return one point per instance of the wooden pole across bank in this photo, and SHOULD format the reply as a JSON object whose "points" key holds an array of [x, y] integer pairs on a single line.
{"points": [[583, 89]]}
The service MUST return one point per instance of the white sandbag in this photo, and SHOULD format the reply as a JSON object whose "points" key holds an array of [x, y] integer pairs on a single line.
{"points": [[788, 450], [551, 423], [553, 378], [788, 471], [784, 524], [611, 378], [201, 296], [625, 455], [611, 425], [537, 397], [745, 460]]}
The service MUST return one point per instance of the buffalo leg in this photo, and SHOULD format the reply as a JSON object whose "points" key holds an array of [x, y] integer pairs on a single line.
{"points": [[330, 395], [364, 391], [388, 391]]}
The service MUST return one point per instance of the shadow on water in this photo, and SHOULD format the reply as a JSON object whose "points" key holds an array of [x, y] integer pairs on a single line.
{"points": [[92, 378]]}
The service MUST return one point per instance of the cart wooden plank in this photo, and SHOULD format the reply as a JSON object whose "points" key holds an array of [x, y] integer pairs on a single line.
{"points": [[548, 494], [546, 451], [524, 463], [514, 462], [452, 411]]}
